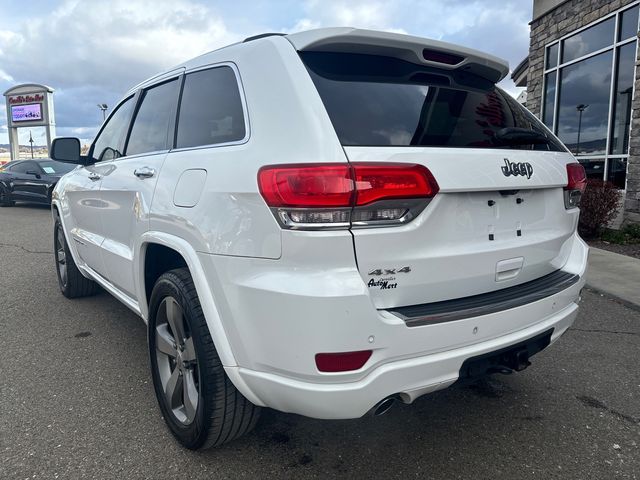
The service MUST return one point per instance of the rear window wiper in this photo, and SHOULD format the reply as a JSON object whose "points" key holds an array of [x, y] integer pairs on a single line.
{"points": [[520, 136]]}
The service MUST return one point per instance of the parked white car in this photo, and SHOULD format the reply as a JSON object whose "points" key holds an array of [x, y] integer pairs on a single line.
{"points": [[323, 223]]}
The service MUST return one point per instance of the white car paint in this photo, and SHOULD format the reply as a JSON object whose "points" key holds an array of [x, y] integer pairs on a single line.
{"points": [[275, 297]]}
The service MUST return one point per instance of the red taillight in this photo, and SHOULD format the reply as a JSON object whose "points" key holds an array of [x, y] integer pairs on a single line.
{"points": [[332, 196], [342, 361], [577, 177], [306, 185], [576, 183], [381, 182]]}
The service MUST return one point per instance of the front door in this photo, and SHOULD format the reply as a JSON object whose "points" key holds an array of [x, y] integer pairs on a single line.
{"points": [[129, 186], [28, 182], [83, 218]]}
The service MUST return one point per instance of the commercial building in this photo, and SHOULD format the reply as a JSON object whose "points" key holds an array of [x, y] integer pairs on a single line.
{"points": [[581, 81]]}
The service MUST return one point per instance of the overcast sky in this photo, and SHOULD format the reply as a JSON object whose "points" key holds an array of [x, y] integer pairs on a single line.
{"points": [[92, 51]]}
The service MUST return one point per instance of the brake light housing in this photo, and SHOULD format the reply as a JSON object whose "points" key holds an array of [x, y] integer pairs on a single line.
{"points": [[576, 184], [338, 196]]}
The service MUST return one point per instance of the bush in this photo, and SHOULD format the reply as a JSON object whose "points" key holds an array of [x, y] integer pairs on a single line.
{"points": [[632, 231], [625, 236], [614, 236], [598, 206]]}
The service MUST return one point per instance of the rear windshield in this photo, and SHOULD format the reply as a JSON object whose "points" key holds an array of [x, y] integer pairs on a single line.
{"points": [[383, 101]]}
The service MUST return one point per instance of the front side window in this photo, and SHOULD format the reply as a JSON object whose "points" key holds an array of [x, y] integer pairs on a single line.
{"points": [[383, 101], [108, 145], [150, 131], [211, 109]]}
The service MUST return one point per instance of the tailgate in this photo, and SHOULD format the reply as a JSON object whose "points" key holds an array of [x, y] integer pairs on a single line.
{"points": [[482, 232]]}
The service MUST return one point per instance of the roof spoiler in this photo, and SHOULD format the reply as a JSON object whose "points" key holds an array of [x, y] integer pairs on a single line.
{"points": [[412, 49]]}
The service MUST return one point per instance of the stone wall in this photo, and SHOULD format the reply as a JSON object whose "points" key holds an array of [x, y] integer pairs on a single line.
{"points": [[559, 22]]}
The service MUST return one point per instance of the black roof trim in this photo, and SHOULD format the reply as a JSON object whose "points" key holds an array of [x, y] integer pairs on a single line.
{"points": [[263, 35]]}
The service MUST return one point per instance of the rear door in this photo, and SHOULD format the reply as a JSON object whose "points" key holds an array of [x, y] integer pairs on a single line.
{"points": [[499, 218], [129, 184]]}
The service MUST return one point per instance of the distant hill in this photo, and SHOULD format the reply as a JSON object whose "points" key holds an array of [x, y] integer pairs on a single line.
{"points": [[7, 146]]}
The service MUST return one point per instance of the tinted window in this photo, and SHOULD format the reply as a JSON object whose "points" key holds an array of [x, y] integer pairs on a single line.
{"points": [[588, 41], [211, 109], [549, 98], [382, 101], [109, 142], [623, 91], [20, 167], [586, 84], [151, 125], [8, 165], [52, 167], [628, 23], [552, 55]]}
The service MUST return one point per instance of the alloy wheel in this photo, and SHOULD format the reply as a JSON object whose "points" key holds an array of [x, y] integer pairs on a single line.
{"points": [[61, 256], [176, 361]]}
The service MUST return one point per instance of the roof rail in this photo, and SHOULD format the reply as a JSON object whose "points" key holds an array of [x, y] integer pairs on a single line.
{"points": [[263, 35]]}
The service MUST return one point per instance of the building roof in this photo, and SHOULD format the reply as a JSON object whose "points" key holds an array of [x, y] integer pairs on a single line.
{"points": [[28, 88], [519, 74]]}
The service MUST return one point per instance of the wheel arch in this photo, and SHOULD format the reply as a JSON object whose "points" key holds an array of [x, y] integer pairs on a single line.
{"points": [[177, 252]]}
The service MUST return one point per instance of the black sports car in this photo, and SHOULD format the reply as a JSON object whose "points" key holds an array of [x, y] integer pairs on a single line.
{"points": [[30, 180]]}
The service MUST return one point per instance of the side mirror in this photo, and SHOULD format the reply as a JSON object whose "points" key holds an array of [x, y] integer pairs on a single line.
{"points": [[33, 172], [66, 149]]}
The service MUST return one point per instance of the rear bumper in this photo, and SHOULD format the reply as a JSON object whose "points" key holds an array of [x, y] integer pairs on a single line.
{"points": [[279, 328], [410, 378]]}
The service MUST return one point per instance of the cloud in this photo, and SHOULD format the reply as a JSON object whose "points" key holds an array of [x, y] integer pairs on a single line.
{"points": [[113, 44], [93, 51]]}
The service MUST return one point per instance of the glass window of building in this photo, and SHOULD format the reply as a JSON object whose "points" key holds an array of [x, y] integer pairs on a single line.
{"points": [[588, 87]]}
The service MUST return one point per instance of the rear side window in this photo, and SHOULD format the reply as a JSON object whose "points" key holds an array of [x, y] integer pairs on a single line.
{"points": [[383, 101], [21, 167], [150, 131], [211, 109]]}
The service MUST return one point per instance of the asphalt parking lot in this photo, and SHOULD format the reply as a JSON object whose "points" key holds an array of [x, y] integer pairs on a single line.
{"points": [[76, 400]]}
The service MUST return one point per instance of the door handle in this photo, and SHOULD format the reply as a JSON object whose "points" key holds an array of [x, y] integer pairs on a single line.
{"points": [[95, 176], [144, 172]]}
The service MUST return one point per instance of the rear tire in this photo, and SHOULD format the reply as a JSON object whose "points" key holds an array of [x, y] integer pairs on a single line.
{"points": [[5, 198], [200, 405], [72, 283]]}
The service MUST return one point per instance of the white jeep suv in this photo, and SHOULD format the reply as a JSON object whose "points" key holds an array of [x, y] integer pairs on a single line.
{"points": [[323, 223]]}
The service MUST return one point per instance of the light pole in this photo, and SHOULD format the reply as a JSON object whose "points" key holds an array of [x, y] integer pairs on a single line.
{"points": [[103, 107], [31, 142], [581, 108]]}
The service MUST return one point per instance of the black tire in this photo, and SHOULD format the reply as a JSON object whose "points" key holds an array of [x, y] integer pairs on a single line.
{"points": [[5, 198], [222, 413], [72, 283]]}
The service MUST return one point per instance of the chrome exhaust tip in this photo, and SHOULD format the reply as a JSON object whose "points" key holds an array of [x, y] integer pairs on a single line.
{"points": [[383, 406]]}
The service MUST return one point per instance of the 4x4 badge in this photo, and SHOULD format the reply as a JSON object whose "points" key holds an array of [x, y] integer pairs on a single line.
{"points": [[389, 271], [523, 169]]}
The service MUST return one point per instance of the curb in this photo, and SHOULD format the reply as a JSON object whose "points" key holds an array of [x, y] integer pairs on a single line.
{"points": [[626, 303]]}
